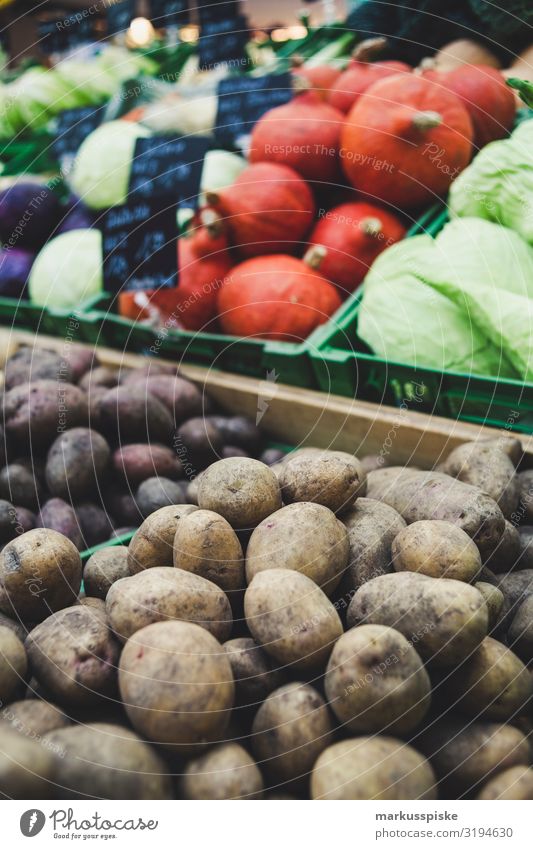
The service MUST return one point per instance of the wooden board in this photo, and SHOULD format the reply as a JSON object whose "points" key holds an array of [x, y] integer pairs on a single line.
{"points": [[304, 417]]}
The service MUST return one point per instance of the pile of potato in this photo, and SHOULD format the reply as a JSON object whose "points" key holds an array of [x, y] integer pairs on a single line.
{"points": [[90, 451], [323, 627]]}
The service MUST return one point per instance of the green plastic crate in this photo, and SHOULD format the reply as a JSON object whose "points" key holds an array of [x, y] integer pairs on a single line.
{"points": [[343, 365]]}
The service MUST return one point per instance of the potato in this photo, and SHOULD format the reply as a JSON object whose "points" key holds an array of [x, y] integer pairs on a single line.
{"points": [[28, 364], [94, 407], [207, 545], [95, 524], [15, 626], [333, 478], [40, 572], [108, 761], [122, 507], [198, 443], [513, 783], [305, 537], [8, 521], [137, 462], [154, 493], [516, 587], [489, 468], [13, 665], [430, 495], [226, 772], [238, 431], [493, 683], [191, 493], [74, 655], [437, 549], [103, 568], [100, 376], [445, 620], [290, 616], [27, 768], [510, 446], [375, 681], [76, 463], [180, 699], [494, 600], [19, 486], [133, 415], [371, 527], [525, 558], [181, 397], [153, 543], [33, 718], [507, 553], [25, 520], [80, 360], [372, 768], [161, 593], [290, 730], [151, 368], [254, 674], [242, 490], [525, 507], [464, 755], [520, 634], [57, 515], [373, 462], [232, 451], [35, 412]]}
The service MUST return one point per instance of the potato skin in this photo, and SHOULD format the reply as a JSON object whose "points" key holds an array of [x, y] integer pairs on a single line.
{"points": [[488, 467], [437, 549], [13, 665], [290, 616], [445, 620], [33, 718], [76, 463], [206, 545], [33, 412], [153, 543], [242, 490], [20, 486], [372, 527], [525, 507], [506, 555], [95, 524], [27, 769], [290, 730], [40, 572], [183, 699], [226, 772], [182, 398], [376, 681], [464, 755], [510, 446], [108, 761], [74, 655], [332, 478], [372, 768], [493, 683], [57, 515], [132, 415], [494, 600], [520, 634], [139, 461], [304, 537], [253, 671], [154, 493], [163, 593], [514, 783], [431, 495], [198, 443], [103, 568]]}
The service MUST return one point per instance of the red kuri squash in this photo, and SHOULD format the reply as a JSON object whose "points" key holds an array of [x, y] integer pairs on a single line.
{"points": [[362, 73], [320, 78], [276, 297], [353, 235], [269, 208], [405, 140]]}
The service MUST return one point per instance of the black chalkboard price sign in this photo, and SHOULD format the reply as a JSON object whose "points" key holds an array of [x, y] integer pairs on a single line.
{"points": [[217, 10], [140, 246], [223, 41], [72, 128], [169, 13], [243, 100], [51, 36], [170, 168], [119, 15]]}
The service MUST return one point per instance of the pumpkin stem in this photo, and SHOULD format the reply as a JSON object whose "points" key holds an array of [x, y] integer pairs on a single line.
{"points": [[426, 64], [424, 121], [314, 256], [297, 61], [212, 198], [371, 226], [212, 221], [300, 85], [368, 49]]}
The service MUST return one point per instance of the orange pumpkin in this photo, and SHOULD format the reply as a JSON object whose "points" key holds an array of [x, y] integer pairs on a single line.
{"points": [[362, 73]]}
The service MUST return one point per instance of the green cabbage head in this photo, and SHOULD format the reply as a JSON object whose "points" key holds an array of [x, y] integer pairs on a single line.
{"points": [[68, 270]]}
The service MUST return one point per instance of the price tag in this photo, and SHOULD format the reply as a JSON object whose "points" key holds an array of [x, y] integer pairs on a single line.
{"points": [[72, 128], [169, 168], [223, 42], [169, 13], [217, 10], [140, 246], [51, 36], [77, 29], [119, 15], [243, 100]]}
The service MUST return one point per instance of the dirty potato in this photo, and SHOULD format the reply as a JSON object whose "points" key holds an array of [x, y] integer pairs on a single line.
{"points": [[437, 549]]}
